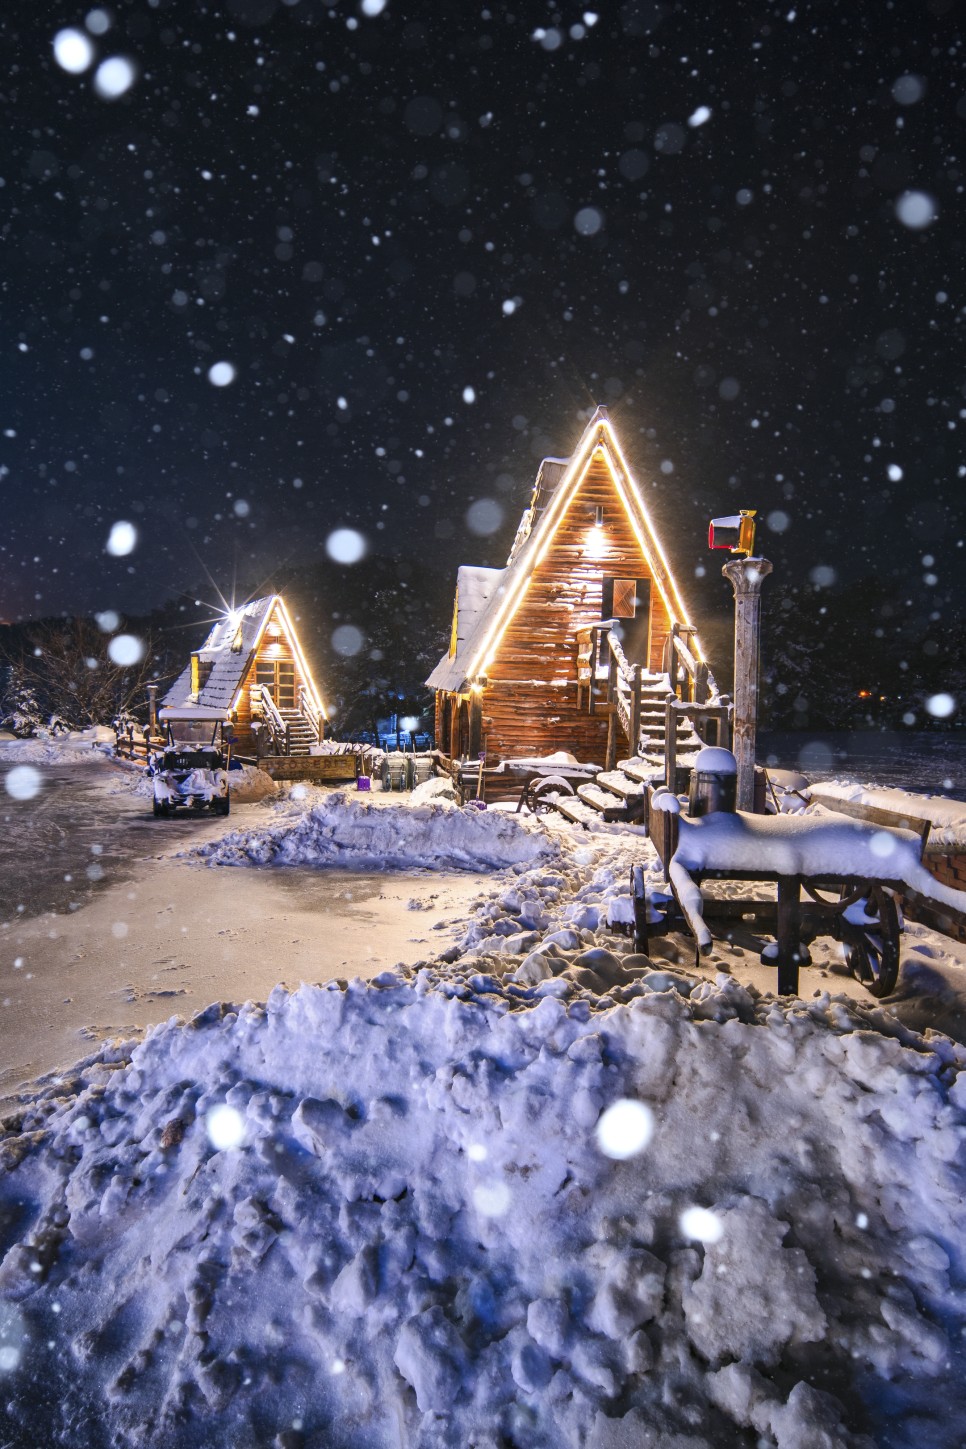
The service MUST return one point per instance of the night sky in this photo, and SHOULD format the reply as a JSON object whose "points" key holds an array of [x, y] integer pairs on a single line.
{"points": [[426, 240]]}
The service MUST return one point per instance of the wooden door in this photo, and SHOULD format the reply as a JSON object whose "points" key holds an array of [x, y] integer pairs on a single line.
{"points": [[629, 602]]}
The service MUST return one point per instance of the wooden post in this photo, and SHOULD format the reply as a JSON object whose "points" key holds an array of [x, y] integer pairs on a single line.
{"points": [[635, 739], [153, 710], [789, 923], [610, 754], [476, 723], [670, 746], [746, 576]]}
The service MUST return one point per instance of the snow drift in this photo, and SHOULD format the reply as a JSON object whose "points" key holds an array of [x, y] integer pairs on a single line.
{"points": [[343, 830], [381, 1215]]}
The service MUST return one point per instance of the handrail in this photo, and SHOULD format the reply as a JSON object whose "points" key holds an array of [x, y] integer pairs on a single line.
{"points": [[271, 717], [691, 687], [696, 684], [312, 718]]}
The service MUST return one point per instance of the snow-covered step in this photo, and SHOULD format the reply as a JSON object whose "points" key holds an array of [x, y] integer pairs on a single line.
{"points": [[645, 771], [618, 784], [597, 798], [574, 809]]}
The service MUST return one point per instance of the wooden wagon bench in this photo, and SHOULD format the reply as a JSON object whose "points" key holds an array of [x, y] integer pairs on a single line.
{"points": [[850, 872]]}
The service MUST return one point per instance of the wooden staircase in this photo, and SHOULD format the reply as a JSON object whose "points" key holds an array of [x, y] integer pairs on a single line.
{"points": [[656, 716], [298, 732]]}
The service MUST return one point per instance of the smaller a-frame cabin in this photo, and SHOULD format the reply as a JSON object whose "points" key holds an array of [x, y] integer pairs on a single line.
{"points": [[251, 670], [587, 588]]}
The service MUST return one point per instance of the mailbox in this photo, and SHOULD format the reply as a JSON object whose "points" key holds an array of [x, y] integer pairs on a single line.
{"points": [[735, 533]]}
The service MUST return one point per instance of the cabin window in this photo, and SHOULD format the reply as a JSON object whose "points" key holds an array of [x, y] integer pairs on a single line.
{"points": [[278, 677]]}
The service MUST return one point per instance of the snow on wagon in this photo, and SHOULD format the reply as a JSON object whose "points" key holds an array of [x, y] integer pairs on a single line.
{"points": [[191, 771]]}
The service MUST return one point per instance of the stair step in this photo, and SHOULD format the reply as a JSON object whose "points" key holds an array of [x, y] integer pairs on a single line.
{"points": [[619, 784], [643, 771], [597, 798], [574, 809]]}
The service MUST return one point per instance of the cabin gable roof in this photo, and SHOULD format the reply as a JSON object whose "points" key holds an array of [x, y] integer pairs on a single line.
{"points": [[476, 588], [230, 651], [558, 482]]}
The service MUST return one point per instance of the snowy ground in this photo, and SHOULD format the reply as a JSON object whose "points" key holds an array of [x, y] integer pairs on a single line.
{"points": [[535, 1191]]}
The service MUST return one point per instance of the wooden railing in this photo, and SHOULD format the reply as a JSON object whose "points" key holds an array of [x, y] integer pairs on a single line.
{"points": [[134, 742], [691, 690], [689, 678], [271, 720], [311, 716]]}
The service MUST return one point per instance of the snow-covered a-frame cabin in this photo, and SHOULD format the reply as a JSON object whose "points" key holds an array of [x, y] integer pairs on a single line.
{"points": [[251, 669], [577, 644]]}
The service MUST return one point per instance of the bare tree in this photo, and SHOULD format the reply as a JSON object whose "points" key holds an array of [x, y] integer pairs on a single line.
{"points": [[73, 672]]}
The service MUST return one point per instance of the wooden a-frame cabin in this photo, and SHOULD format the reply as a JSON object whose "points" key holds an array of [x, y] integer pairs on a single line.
{"points": [[250, 669], [565, 647]]}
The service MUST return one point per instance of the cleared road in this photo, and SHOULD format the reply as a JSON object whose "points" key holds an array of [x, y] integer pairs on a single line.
{"points": [[105, 930]]}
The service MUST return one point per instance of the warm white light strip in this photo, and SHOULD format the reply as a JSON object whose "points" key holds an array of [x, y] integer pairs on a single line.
{"points": [[564, 495], [673, 603], [293, 641], [679, 609], [559, 504], [278, 603]]}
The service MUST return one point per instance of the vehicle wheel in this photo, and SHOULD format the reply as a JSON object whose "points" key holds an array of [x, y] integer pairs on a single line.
{"points": [[873, 942], [222, 807], [158, 808]]}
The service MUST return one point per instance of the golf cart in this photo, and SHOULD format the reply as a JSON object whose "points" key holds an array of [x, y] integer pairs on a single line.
{"points": [[191, 770]]}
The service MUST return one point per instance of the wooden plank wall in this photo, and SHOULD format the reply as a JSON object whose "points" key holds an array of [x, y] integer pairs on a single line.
{"points": [[266, 651], [530, 703]]}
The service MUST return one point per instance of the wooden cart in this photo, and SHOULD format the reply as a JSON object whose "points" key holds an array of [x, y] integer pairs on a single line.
{"points": [[859, 911]]}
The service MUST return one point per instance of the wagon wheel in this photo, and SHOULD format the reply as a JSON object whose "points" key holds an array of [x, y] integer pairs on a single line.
{"points": [[537, 792], [873, 943]]}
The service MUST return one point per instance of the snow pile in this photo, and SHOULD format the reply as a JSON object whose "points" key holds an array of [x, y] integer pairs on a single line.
{"points": [[947, 817], [78, 747], [345, 830], [249, 784], [384, 1215]]}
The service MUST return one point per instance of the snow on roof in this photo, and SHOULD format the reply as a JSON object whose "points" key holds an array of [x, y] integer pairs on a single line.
{"points": [[228, 650], [191, 711], [475, 587]]}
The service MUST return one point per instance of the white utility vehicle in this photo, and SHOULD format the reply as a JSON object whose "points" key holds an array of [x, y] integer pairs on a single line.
{"points": [[191, 770]]}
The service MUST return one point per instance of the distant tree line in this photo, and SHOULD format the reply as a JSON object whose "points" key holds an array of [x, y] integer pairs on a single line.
{"points": [[858, 656], [371, 631], [850, 657]]}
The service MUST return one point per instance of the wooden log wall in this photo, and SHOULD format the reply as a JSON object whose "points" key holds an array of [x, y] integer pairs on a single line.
{"points": [[270, 651], [530, 702]]}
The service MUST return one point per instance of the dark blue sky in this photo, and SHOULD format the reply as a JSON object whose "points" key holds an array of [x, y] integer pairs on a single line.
{"points": [[429, 240]]}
